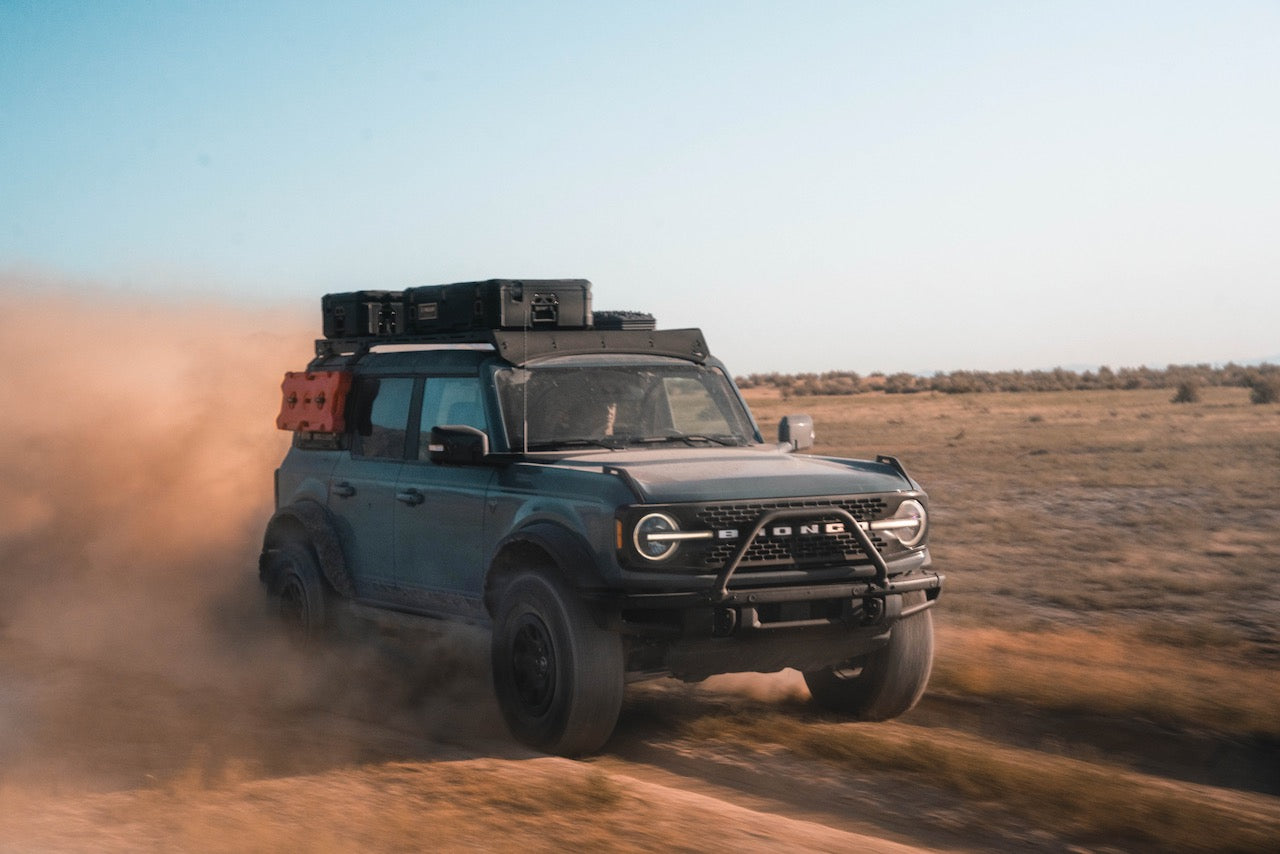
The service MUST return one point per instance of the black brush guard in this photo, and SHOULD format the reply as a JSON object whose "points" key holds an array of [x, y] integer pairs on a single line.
{"points": [[880, 586]]}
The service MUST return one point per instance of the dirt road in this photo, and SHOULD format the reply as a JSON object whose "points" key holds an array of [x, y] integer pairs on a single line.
{"points": [[339, 753], [396, 743]]}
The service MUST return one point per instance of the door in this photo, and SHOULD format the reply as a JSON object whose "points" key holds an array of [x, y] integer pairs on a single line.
{"points": [[362, 487], [440, 514]]}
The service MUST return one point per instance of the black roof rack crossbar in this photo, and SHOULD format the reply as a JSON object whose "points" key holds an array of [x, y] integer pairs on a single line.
{"points": [[519, 346], [358, 346]]}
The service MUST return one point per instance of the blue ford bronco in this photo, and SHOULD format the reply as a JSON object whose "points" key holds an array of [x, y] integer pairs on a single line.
{"points": [[596, 492]]}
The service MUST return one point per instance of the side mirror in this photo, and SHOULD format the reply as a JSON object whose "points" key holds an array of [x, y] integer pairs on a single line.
{"points": [[796, 431], [458, 444]]}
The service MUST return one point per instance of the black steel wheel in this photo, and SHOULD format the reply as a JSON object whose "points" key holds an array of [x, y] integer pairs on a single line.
{"points": [[885, 683], [558, 676], [533, 659], [298, 592]]}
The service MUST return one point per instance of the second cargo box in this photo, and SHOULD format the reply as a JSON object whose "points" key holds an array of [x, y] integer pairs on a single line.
{"points": [[500, 304]]}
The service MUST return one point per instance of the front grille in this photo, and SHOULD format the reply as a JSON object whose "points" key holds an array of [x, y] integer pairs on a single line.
{"points": [[768, 552], [739, 515]]}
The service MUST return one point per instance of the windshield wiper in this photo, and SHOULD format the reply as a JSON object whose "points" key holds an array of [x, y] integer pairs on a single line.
{"points": [[688, 439], [555, 444]]}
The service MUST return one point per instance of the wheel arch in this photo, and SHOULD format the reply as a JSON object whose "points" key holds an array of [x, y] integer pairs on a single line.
{"points": [[310, 522], [545, 546]]}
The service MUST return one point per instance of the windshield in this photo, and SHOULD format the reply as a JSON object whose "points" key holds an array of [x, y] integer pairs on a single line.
{"points": [[568, 405]]}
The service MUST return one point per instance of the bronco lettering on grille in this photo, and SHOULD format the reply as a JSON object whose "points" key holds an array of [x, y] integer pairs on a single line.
{"points": [[814, 529]]}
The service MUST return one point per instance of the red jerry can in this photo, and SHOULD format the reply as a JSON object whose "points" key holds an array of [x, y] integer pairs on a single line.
{"points": [[314, 401]]}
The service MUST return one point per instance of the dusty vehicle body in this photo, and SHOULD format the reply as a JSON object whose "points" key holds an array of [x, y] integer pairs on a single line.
{"points": [[603, 501]]}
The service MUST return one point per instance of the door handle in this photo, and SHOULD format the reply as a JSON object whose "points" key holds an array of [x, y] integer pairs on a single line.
{"points": [[344, 490], [412, 497]]}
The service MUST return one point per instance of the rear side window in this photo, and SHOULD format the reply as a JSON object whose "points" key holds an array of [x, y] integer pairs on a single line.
{"points": [[382, 416]]}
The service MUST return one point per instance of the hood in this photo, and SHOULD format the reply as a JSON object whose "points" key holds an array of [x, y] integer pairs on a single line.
{"points": [[729, 474]]}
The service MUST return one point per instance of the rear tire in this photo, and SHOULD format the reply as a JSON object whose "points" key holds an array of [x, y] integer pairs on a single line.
{"points": [[885, 683], [558, 676], [298, 593]]}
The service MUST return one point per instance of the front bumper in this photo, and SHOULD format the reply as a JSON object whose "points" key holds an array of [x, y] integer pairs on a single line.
{"points": [[805, 629], [929, 582]]}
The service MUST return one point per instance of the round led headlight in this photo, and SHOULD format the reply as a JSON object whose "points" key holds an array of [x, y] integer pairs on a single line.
{"points": [[910, 535], [656, 536]]}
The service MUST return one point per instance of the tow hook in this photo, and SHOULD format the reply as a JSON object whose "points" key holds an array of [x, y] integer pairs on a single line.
{"points": [[724, 622], [872, 610]]}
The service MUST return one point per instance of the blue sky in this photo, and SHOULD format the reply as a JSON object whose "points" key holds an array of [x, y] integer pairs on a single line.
{"points": [[819, 185]]}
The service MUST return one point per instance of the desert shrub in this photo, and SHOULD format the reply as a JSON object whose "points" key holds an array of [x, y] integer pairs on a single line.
{"points": [[1264, 388], [1188, 392], [903, 383], [831, 382]]}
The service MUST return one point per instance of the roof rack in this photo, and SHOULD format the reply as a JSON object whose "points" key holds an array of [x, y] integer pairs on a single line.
{"points": [[520, 346]]}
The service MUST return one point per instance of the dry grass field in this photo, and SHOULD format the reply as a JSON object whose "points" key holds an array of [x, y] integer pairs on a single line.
{"points": [[1105, 551], [1106, 674]]}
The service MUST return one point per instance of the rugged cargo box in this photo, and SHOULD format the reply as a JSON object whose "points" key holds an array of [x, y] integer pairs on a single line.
{"points": [[500, 304], [361, 313], [314, 401]]}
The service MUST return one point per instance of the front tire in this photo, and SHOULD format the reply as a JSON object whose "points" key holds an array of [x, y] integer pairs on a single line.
{"points": [[885, 683], [558, 676]]}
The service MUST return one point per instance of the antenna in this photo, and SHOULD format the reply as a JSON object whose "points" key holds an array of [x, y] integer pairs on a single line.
{"points": [[524, 388]]}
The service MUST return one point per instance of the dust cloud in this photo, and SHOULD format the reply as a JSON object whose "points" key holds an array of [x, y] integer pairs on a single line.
{"points": [[136, 648], [135, 481]]}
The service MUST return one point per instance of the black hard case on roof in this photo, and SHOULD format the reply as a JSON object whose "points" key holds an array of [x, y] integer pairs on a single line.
{"points": [[630, 321], [358, 314], [500, 304]]}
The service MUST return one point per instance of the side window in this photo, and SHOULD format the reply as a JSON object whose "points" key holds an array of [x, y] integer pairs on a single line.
{"points": [[450, 400], [382, 416]]}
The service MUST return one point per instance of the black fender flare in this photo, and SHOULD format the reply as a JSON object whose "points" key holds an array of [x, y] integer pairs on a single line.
{"points": [[568, 551], [316, 524]]}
